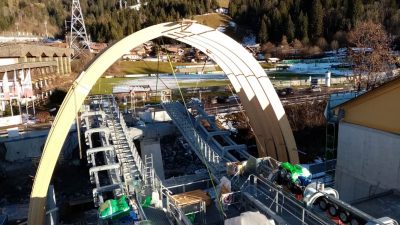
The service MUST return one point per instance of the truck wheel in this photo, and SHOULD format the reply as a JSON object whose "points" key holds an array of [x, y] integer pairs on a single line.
{"points": [[323, 204], [344, 216], [333, 210]]}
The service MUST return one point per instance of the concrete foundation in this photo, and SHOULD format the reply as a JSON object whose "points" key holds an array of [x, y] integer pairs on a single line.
{"points": [[153, 130], [30, 144], [368, 162]]}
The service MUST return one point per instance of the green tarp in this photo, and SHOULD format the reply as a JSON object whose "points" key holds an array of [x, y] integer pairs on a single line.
{"points": [[113, 208], [146, 202]]}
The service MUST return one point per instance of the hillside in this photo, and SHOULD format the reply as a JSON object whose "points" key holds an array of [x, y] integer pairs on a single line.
{"points": [[317, 22], [31, 16], [312, 21], [105, 20], [213, 20]]}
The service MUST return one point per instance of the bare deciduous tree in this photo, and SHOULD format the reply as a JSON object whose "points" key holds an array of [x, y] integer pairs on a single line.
{"points": [[370, 56]]}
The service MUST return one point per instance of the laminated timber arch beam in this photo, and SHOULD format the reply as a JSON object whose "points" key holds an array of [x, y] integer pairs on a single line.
{"points": [[258, 96]]}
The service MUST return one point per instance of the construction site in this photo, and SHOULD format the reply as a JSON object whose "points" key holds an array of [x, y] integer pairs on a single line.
{"points": [[254, 159]]}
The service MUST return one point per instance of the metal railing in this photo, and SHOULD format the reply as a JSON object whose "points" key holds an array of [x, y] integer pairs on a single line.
{"points": [[200, 146], [176, 212], [289, 209]]}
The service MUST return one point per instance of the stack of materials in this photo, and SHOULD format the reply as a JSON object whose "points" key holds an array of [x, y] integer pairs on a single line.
{"points": [[191, 198]]}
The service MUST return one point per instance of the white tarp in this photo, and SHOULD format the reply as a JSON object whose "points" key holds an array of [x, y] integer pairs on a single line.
{"points": [[253, 218]]}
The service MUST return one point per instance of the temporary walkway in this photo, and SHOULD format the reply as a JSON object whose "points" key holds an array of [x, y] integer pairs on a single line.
{"points": [[185, 123]]}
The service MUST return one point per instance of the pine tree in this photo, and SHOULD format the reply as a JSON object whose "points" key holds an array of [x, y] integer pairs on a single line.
{"points": [[303, 19], [232, 9], [290, 29], [263, 34], [354, 11], [276, 24], [317, 24]]}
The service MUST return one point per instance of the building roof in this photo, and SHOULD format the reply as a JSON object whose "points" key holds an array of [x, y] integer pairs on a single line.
{"points": [[372, 92], [98, 46], [378, 109], [21, 50]]}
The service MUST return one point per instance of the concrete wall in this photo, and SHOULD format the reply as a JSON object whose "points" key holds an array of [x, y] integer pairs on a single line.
{"points": [[159, 116], [368, 161], [152, 147], [30, 144]]}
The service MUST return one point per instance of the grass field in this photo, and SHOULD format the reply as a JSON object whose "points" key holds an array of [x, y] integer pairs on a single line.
{"points": [[213, 20], [208, 83], [143, 67], [105, 85]]}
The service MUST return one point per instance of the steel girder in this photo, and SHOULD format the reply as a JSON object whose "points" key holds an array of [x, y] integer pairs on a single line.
{"points": [[258, 96]]}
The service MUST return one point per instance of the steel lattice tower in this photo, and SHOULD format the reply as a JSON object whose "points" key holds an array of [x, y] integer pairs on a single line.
{"points": [[78, 37]]}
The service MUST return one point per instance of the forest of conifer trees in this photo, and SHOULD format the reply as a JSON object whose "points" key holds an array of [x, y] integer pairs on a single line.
{"points": [[312, 21], [319, 22]]}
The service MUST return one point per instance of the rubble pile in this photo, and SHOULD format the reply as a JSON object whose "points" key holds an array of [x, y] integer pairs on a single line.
{"points": [[178, 158]]}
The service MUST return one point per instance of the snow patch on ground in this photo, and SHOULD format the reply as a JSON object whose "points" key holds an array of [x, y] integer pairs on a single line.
{"points": [[317, 68], [168, 81], [226, 124], [249, 40]]}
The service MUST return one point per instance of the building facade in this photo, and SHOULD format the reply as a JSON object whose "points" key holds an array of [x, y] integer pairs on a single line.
{"points": [[29, 73], [368, 155]]}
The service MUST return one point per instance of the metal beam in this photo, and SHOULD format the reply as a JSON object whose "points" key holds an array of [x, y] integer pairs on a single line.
{"points": [[104, 167], [99, 149]]}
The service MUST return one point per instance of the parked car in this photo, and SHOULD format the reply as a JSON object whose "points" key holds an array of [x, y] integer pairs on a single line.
{"points": [[233, 99], [285, 91], [315, 88]]}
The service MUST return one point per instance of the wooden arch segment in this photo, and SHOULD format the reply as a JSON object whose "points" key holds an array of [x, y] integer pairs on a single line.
{"points": [[256, 92]]}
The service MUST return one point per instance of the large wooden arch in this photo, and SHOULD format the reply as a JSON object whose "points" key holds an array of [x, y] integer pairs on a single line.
{"points": [[262, 105]]}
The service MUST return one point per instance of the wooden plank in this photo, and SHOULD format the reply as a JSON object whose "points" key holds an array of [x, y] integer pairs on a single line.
{"points": [[191, 197]]}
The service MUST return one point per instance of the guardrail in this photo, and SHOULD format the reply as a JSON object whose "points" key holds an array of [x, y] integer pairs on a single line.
{"points": [[285, 207], [196, 142]]}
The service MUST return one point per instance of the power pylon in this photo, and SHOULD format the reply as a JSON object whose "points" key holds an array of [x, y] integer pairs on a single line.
{"points": [[78, 37]]}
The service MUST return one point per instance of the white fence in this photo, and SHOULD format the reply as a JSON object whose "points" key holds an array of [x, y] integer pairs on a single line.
{"points": [[307, 82]]}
